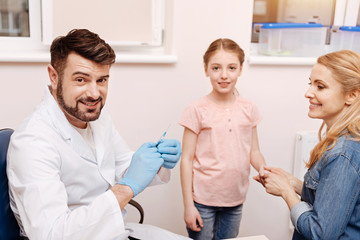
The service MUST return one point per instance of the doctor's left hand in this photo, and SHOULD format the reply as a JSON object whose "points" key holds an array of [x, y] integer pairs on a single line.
{"points": [[170, 150], [144, 165]]}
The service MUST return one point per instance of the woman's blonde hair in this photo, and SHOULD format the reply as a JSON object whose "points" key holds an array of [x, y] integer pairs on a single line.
{"points": [[345, 68]]}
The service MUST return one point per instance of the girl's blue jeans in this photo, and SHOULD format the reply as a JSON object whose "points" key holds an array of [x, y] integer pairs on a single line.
{"points": [[219, 222]]}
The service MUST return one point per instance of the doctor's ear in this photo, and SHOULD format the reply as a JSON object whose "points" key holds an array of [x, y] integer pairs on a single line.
{"points": [[352, 96], [53, 75]]}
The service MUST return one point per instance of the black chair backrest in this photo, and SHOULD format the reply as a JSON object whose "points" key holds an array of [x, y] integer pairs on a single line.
{"points": [[9, 229]]}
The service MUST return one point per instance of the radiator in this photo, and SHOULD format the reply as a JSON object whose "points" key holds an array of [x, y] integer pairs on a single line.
{"points": [[305, 142]]}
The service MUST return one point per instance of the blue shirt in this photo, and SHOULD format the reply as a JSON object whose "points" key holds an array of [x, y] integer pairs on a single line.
{"points": [[330, 207]]}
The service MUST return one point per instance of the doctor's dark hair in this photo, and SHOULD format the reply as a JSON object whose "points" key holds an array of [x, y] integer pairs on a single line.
{"points": [[225, 44], [83, 42], [344, 66]]}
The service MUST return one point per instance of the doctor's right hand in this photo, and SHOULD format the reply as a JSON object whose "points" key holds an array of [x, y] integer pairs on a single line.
{"points": [[144, 165]]}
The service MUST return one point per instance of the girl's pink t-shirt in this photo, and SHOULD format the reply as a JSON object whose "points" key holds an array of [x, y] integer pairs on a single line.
{"points": [[222, 156]]}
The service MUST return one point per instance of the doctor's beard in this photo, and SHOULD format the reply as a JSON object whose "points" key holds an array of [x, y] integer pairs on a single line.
{"points": [[88, 116]]}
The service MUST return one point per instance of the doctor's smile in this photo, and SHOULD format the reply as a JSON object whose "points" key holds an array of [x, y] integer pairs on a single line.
{"points": [[90, 103]]}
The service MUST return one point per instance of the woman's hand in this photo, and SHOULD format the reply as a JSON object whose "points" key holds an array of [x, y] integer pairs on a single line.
{"points": [[277, 181], [294, 181]]}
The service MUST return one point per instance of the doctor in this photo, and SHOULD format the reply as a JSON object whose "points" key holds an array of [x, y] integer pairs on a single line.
{"points": [[70, 172]]}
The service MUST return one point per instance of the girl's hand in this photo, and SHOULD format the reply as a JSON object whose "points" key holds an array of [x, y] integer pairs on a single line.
{"points": [[261, 176], [262, 170], [193, 219]]}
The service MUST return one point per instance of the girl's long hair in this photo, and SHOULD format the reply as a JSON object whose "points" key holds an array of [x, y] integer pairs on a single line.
{"points": [[225, 44], [345, 68]]}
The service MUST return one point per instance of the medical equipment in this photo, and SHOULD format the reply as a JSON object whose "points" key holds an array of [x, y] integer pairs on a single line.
{"points": [[162, 136]]}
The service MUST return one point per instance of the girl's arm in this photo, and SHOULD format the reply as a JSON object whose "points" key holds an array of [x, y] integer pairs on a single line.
{"points": [[191, 216], [256, 158]]}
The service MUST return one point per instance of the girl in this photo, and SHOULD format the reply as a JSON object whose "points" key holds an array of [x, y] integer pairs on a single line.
{"points": [[330, 204], [219, 143]]}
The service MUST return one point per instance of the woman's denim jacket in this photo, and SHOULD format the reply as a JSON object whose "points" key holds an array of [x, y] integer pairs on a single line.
{"points": [[330, 207]]}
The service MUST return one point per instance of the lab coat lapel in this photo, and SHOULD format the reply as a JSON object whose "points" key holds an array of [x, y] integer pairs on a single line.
{"points": [[81, 147], [99, 140]]}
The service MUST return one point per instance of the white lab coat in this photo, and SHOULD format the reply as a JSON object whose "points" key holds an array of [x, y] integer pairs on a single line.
{"points": [[58, 187]]}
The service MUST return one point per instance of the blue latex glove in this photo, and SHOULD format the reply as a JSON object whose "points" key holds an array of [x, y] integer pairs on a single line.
{"points": [[144, 165], [170, 150]]}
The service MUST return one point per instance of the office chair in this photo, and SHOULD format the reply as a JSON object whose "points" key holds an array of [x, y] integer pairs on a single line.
{"points": [[9, 229]]}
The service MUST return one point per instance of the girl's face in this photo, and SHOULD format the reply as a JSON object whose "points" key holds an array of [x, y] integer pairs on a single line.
{"points": [[325, 95], [223, 69]]}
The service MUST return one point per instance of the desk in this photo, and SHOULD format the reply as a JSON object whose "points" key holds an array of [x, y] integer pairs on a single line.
{"points": [[260, 237]]}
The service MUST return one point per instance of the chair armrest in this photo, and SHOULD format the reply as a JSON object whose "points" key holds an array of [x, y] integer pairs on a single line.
{"points": [[139, 208]]}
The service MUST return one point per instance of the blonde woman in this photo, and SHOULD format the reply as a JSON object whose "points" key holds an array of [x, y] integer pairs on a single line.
{"points": [[329, 207]]}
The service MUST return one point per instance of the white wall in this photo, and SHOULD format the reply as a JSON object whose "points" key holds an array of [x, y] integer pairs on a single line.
{"points": [[145, 98]]}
